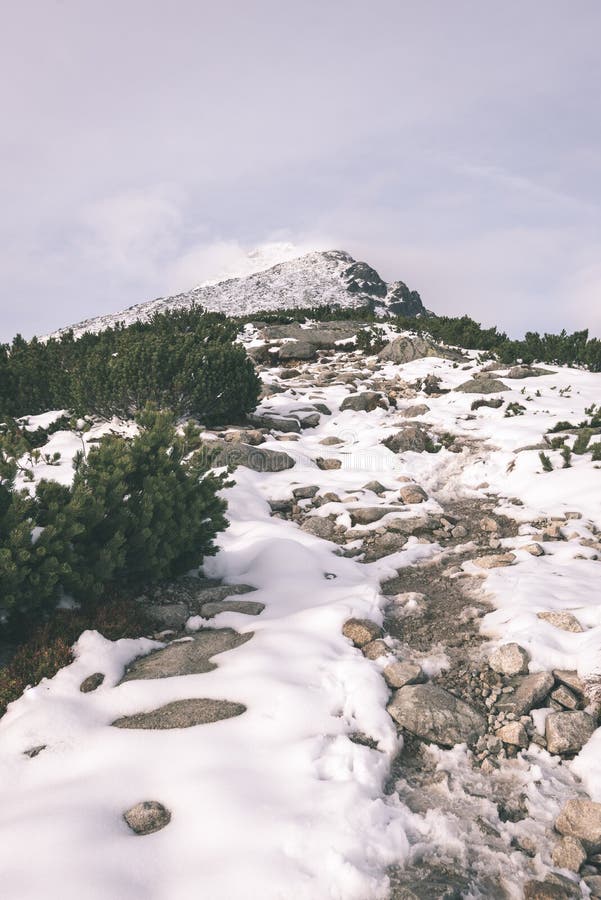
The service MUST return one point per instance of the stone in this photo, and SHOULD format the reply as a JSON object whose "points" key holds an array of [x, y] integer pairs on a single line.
{"points": [[91, 683], [375, 487], [414, 438], [306, 492], [564, 696], [182, 714], [331, 441], [246, 607], [568, 732], [310, 421], [400, 673], [509, 659], [412, 493], [248, 435], [482, 386], [32, 752], [238, 453], [531, 691], [534, 549], [365, 515], [547, 890], [361, 631], [364, 402], [383, 545], [405, 349], [327, 464], [489, 525], [275, 422], [563, 619], [514, 734], [321, 526], [568, 853], [187, 657], [527, 372], [593, 883], [147, 817], [374, 649], [459, 532], [169, 615], [581, 818], [494, 560], [412, 412], [433, 714], [323, 409], [571, 679]]}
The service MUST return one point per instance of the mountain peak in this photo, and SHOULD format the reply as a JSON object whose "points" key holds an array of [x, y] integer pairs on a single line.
{"points": [[318, 278]]}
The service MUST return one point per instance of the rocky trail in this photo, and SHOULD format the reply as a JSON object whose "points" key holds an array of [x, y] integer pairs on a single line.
{"points": [[358, 659]]}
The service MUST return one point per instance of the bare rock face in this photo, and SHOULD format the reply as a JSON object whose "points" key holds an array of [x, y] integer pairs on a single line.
{"points": [[182, 714], [432, 713], [568, 732], [361, 631], [563, 619], [569, 853], [147, 817], [509, 659], [581, 819]]}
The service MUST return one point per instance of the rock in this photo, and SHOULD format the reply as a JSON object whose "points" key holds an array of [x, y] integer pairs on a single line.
{"points": [[246, 607], [32, 752], [188, 657], [593, 883], [323, 409], [534, 549], [459, 532], [275, 422], [433, 714], [288, 373], [320, 526], [412, 493], [526, 372], [562, 619], [413, 438], [514, 734], [530, 693], [375, 487], [405, 349], [489, 525], [564, 696], [375, 649], [482, 386], [509, 659], [570, 679], [147, 817], [169, 615], [581, 818], [327, 464], [568, 853], [547, 890], [568, 732], [361, 631], [411, 412], [365, 515], [91, 683], [383, 545], [400, 673], [365, 402], [494, 560], [182, 714], [248, 435], [241, 454], [331, 441], [306, 492]]}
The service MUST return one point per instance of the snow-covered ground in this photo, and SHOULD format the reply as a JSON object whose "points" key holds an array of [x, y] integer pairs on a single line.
{"points": [[279, 803]]}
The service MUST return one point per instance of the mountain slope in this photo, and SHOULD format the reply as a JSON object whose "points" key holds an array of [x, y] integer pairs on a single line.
{"points": [[316, 279]]}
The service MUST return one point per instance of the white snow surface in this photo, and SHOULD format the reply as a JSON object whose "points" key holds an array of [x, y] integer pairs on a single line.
{"points": [[279, 803]]}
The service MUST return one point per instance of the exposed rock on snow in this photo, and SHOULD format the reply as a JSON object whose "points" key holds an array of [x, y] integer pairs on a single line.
{"points": [[563, 619], [258, 459], [400, 673], [432, 713], [513, 733], [530, 692], [189, 656], [412, 493], [182, 714], [495, 560], [482, 386], [361, 631], [364, 402], [568, 732], [581, 818], [411, 437], [91, 683], [509, 659], [406, 349], [147, 817]]}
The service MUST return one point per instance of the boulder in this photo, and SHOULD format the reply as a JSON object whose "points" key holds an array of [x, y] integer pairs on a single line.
{"points": [[406, 349], [531, 691], [494, 560], [365, 515], [569, 853], [375, 649], [534, 549], [581, 818], [241, 454], [375, 487], [306, 492], [275, 422], [401, 672], [91, 683], [564, 696], [146, 817], [509, 659], [321, 526], [182, 714], [482, 386], [415, 438], [364, 402], [568, 732], [411, 412], [361, 631], [412, 493], [246, 607], [331, 441], [190, 656], [549, 890], [328, 463], [527, 372], [433, 714], [571, 679], [169, 615], [513, 733], [563, 619]]}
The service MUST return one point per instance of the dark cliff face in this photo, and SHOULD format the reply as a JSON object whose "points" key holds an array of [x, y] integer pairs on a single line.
{"points": [[403, 302], [362, 279]]}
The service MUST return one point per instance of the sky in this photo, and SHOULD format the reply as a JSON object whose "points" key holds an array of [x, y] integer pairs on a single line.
{"points": [[149, 146]]}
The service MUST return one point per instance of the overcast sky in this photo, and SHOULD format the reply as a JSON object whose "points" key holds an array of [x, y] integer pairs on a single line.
{"points": [[147, 145]]}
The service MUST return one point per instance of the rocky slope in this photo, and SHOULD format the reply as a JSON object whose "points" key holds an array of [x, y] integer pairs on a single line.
{"points": [[316, 279], [387, 682]]}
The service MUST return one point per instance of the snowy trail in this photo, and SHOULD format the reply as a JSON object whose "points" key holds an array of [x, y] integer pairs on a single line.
{"points": [[281, 802]]}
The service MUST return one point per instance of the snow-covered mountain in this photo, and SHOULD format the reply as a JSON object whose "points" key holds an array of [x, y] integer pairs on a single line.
{"points": [[315, 279]]}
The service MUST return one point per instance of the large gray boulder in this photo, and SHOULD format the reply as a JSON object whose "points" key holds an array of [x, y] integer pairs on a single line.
{"points": [[414, 438], [530, 692], [365, 402], [277, 423], [405, 349], [182, 714], [509, 659], [240, 454], [432, 713], [568, 732], [482, 386], [190, 656], [581, 818]]}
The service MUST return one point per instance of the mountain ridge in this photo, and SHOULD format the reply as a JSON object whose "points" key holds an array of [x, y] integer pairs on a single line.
{"points": [[319, 278]]}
